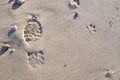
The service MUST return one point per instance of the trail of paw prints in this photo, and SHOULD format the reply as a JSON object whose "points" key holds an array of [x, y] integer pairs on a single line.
{"points": [[91, 28], [33, 29], [35, 58]]}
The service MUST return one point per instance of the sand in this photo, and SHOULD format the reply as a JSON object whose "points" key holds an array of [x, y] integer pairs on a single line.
{"points": [[56, 42]]}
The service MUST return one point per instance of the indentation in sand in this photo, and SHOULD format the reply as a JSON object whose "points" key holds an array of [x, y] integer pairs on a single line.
{"points": [[91, 28], [33, 29], [35, 58], [104, 74], [73, 4]]}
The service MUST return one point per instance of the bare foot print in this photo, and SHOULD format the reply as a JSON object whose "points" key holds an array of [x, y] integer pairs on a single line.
{"points": [[92, 28], [35, 58], [33, 29]]}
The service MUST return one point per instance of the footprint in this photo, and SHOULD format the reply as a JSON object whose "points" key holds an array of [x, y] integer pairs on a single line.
{"points": [[92, 28], [8, 47], [73, 4], [4, 48], [104, 74], [110, 23], [35, 58], [33, 29], [75, 15], [77, 1]]}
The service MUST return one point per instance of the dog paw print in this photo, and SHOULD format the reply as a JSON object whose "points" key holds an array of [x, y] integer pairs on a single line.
{"points": [[91, 28]]}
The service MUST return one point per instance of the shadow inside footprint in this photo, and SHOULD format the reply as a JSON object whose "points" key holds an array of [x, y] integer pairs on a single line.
{"points": [[15, 6], [108, 75], [3, 50], [34, 19], [75, 15], [33, 29], [12, 30], [92, 28], [40, 27], [72, 6], [10, 33], [77, 1]]}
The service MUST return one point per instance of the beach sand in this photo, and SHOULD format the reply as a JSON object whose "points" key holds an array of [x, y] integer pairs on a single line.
{"points": [[56, 42]]}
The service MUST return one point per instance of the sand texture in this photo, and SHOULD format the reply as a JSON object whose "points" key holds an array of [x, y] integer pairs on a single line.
{"points": [[60, 40]]}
